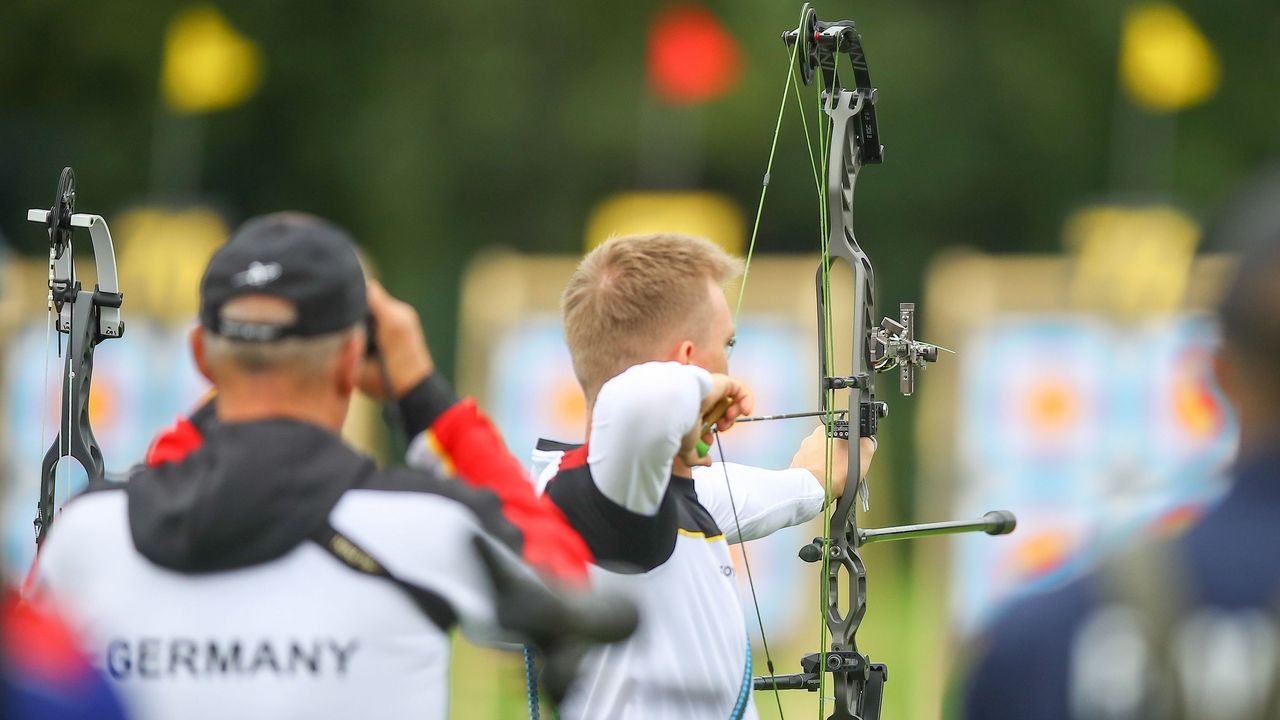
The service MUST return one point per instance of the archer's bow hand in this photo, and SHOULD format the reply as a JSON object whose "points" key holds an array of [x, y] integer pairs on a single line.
{"points": [[812, 456]]}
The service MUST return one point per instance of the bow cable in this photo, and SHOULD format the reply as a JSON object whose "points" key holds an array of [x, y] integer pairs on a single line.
{"points": [[737, 313], [828, 411], [828, 403]]}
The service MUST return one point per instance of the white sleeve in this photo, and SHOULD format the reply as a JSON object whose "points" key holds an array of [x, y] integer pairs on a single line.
{"points": [[637, 424], [766, 500]]}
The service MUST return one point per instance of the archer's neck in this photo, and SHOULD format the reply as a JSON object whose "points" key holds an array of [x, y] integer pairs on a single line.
{"points": [[244, 405]]}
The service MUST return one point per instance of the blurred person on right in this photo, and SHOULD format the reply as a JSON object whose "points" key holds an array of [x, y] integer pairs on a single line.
{"points": [[1188, 627]]}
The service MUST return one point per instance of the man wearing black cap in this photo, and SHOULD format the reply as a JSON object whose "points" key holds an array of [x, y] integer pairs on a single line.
{"points": [[272, 571], [1188, 628], [459, 441]]}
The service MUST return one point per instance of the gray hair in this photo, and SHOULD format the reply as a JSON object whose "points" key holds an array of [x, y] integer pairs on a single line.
{"points": [[298, 355]]}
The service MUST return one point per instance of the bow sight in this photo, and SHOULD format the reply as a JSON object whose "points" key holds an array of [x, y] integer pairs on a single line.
{"points": [[86, 318], [853, 140]]}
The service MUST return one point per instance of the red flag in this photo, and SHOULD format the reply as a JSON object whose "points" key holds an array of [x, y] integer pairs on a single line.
{"points": [[692, 57]]}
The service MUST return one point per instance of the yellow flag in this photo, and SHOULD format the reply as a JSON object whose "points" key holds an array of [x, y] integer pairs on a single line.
{"points": [[1166, 64], [207, 64]]}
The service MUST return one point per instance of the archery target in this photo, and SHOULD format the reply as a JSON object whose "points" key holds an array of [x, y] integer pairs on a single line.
{"points": [[1191, 432], [1090, 433], [532, 389], [1032, 390]]}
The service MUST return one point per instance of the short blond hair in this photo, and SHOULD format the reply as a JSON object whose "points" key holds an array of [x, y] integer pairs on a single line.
{"points": [[634, 293]]}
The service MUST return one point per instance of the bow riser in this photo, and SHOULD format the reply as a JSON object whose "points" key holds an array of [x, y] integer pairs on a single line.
{"points": [[846, 573]]}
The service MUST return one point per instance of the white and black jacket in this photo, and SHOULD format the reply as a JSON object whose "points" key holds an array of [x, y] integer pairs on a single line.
{"points": [[663, 541], [276, 573]]}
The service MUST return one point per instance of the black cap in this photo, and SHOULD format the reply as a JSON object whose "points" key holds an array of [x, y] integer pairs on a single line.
{"points": [[301, 259]]}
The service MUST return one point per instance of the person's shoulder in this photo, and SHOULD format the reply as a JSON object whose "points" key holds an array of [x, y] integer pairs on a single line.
{"points": [[1052, 612], [427, 500], [425, 482], [100, 504], [1024, 635], [1019, 663]]}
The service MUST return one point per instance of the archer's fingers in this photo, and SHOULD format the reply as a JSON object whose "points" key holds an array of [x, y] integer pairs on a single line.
{"points": [[866, 450], [690, 456], [744, 404], [377, 296], [704, 460], [868, 445], [721, 389]]}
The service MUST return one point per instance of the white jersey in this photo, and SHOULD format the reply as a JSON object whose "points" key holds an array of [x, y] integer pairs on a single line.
{"points": [[664, 541], [201, 587]]}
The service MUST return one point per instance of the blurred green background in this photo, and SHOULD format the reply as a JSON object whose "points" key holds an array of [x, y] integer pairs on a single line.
{"points": [[435, 131]]}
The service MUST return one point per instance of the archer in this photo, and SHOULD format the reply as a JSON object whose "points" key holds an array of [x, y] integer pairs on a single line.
{"points": [[649, 332]]}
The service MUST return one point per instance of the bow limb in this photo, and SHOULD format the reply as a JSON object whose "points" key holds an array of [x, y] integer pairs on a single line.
{"points": [[86, 318]]}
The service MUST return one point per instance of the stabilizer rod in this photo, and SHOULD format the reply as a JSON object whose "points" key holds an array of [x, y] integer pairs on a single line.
{"points": [[996, 522]]}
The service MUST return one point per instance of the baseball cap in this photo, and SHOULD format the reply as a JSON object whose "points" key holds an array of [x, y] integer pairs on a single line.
{"points": [[302, 259]]}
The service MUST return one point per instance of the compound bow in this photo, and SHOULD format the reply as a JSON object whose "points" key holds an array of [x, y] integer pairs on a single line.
{"points": [[850, 141], [86, 318]]}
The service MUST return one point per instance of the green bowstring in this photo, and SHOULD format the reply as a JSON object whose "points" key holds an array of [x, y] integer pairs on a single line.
{"points": [[737, 313], [828, 349], [819, 170]]}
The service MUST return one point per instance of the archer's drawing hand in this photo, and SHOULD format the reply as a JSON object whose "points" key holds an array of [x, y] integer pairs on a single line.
{"points": [[812, 456], [728, 400], [401, 344]]}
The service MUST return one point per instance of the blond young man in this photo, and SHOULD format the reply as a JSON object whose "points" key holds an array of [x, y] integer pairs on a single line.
{"points": [[649, 329]]}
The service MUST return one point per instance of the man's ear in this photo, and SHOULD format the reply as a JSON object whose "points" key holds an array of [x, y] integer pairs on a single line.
{"points": [[198, 352], [683, 352]]}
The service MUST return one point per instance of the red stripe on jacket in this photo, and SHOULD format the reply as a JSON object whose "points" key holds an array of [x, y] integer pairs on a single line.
{"points": [[479, 456]]}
